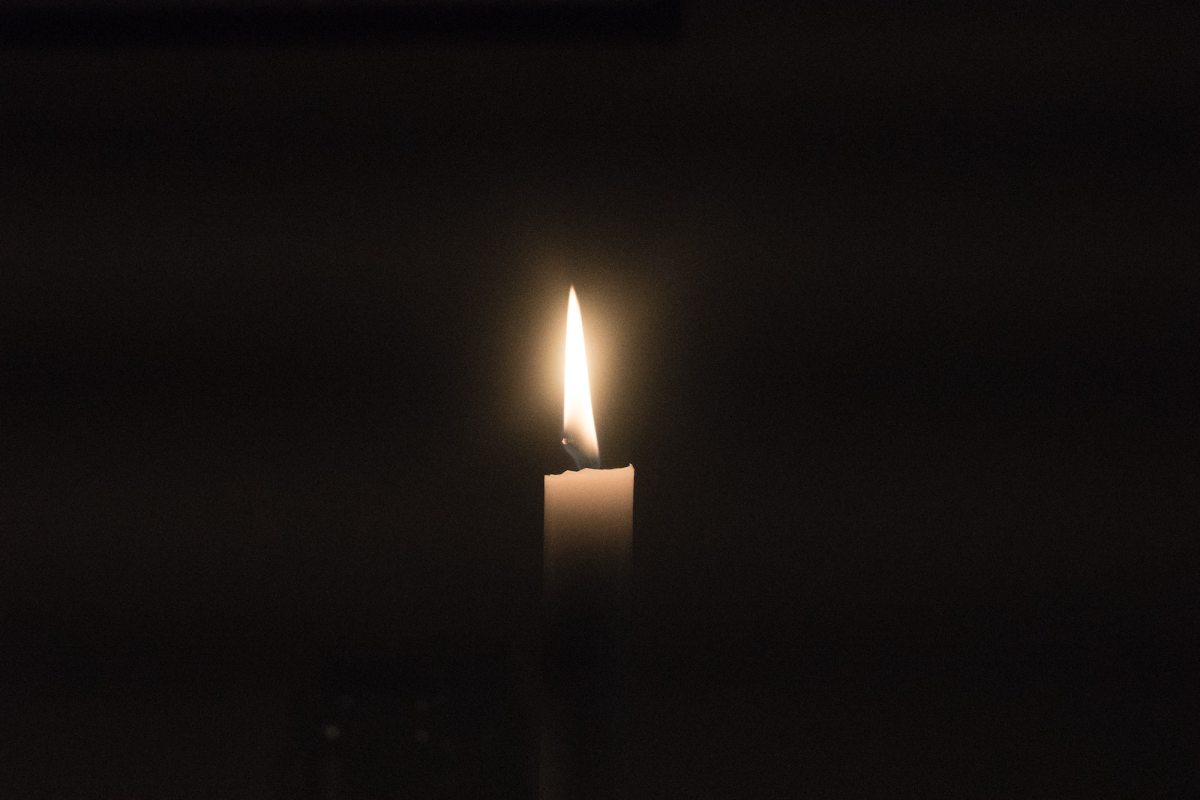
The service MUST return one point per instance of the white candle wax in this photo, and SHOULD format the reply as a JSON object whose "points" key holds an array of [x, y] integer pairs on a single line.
{"points": [[588, 537]]}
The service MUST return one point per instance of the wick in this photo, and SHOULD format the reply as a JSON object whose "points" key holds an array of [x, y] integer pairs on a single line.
{"points": [[577, 455]]}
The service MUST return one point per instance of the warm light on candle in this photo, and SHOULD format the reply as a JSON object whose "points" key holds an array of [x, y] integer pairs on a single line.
{"points": [[579, 426]]}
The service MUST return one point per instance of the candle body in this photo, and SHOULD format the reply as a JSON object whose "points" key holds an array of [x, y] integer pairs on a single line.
{"points": [[587, 558]]}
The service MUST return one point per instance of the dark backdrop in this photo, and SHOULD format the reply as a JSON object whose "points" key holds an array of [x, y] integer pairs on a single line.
{"points": [[892, 309]]}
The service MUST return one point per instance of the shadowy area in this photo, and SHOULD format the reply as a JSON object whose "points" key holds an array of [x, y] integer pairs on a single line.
{"points": [[892, 308]]}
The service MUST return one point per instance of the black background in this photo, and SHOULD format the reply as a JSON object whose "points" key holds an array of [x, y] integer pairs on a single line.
{"points": [[891, 308]]}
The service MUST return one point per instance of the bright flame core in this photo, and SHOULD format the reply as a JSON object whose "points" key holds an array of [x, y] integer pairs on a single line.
{"points": [[579, 426]]}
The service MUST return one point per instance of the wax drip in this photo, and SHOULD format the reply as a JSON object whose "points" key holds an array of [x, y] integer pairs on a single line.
{"points": [[581, 460]]}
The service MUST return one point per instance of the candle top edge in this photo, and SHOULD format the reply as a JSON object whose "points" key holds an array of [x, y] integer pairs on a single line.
{"points": [[590, 469]]}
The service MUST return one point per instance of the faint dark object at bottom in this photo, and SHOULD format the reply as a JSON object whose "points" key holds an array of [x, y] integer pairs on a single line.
{"points": [[435, 727]]}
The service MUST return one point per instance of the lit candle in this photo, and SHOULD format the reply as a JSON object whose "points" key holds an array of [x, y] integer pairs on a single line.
{"points": [[586, 591]]}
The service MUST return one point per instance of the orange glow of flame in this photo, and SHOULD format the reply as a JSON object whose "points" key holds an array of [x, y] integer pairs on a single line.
{"points": [[579, 426]]}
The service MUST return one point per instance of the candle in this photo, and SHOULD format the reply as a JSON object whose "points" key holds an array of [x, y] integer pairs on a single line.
{"points": [[587, 549]]}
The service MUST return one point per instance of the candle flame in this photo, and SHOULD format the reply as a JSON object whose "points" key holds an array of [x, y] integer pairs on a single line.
{"points": [[579, 426]]}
